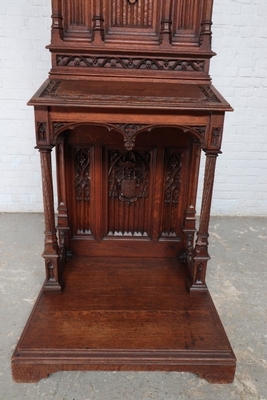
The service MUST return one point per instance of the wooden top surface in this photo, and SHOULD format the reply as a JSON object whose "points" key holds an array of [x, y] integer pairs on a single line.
{"points": [[129, 94]]}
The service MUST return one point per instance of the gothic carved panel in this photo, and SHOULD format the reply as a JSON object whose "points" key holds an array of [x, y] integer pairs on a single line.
{"points": [[82, 192], [140, 17], [82, 174], [77, 18], [41, 132], [216, 137], [186, 20], [128, 191], [172, 183]]}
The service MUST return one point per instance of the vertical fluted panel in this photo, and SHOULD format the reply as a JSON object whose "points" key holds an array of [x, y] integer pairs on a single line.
{"points": [[77, 16], [186, 20], [125, 14]]}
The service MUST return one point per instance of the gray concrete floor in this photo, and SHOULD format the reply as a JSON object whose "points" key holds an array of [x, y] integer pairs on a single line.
{"points": [[237, 279]]}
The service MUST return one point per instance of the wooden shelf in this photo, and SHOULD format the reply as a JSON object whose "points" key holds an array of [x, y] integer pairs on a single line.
{"points": [[124, 314]]}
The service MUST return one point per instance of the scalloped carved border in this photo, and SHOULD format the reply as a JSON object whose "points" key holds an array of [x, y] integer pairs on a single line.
{"points": [[129, 131]]}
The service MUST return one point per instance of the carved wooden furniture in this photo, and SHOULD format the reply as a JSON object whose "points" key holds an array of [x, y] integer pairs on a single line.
{"points": [[128, 107]]}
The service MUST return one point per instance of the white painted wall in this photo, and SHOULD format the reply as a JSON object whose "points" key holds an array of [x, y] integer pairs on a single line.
{"points": [[239, 72]]}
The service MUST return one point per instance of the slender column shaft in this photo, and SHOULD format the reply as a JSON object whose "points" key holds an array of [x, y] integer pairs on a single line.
{"points": [[201, 255], [50, 253]]}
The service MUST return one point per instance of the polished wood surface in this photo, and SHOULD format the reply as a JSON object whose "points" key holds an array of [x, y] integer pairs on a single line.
{"points": [[124, 314], [129, 107]]}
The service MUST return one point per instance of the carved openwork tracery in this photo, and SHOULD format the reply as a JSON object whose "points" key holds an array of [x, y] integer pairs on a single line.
{"points": [[171, 193], [173, 178], [129, 176], [134, 63], [82, 174]]}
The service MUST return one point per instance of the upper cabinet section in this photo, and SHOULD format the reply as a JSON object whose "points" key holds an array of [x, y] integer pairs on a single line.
{"points": [[177, 28]]}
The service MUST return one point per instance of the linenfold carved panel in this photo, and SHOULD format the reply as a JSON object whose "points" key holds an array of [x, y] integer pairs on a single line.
{"points": [[128, 191], [131, 17], [77, 18], [186, 20]]}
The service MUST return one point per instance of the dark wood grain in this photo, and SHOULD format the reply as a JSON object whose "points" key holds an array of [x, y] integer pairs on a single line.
{"points": [[128, 105]]}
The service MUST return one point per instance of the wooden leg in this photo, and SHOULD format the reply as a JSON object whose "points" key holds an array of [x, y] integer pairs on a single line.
{"points": [[51, 253], [201, 255]]}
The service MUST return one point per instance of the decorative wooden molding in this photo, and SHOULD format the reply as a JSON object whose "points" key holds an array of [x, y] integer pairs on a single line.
{"points": [[134, 63], [210, 96], [51, 89]]}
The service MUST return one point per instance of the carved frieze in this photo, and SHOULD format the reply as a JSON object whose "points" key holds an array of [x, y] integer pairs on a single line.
{"points": [[129, 176], [134, 63]]}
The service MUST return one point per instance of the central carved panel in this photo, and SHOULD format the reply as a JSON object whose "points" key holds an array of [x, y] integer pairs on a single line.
{"points": [[128, 191], [131, 13]]}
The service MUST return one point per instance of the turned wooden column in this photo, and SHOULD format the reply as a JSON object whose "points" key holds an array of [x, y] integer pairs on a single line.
{"points": [[201, 255], [51, 251]]}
